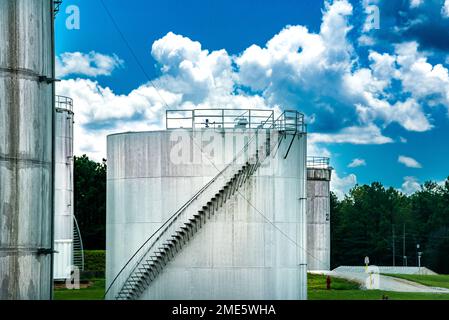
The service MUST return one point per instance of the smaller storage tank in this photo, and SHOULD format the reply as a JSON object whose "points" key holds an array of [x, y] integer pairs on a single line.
{"points": [[63, 258], [318, 213]]}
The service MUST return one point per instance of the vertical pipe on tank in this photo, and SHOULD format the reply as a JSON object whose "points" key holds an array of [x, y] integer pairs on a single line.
{"points": [[26, 148], [302, 232]]}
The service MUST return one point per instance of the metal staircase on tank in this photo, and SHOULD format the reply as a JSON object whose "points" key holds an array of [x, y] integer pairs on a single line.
{"points": [[152, 266], [78, 251], [150, 259]]}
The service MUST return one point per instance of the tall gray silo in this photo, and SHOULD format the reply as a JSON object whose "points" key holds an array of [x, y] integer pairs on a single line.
{"points": [[225, 201], [318, 213], [64, 219], [26, 148]]}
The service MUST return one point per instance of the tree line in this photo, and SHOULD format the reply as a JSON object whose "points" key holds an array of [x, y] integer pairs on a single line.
{"points": [[387, 225], [369, 221]]}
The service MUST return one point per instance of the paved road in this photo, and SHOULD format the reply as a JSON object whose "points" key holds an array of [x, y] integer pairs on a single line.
{"points": [[385, 283]]}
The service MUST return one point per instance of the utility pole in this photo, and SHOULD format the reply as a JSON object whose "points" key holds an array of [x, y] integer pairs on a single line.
{"points": [[394, 251], [403, 248], [418, 253]]}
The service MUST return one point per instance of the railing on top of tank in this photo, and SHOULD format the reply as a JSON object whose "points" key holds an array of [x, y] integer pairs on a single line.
{"points": [[318, 162], [289, 120], [64, 103]]}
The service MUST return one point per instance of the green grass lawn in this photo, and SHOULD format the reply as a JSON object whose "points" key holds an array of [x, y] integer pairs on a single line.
{"points": [[347, 290], [438, 280], [317, 282], [372, 295], [93, 292], [341, 289]]}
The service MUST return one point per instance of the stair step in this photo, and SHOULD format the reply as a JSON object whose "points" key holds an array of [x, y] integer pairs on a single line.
{"points": [[170, 243]]}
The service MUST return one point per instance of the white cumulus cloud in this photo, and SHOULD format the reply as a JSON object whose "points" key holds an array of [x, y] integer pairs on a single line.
{"points": [[357, 163], [92, 64], [409, 162], [445, 10], [342, 185], [416, 3], [354, 135], [410, 185]]}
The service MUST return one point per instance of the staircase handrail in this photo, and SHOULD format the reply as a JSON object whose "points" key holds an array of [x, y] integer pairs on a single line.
{"points": [[81, 242]]}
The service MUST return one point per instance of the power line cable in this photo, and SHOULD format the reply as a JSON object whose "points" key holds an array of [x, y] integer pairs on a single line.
{"points": [[122, 36]]}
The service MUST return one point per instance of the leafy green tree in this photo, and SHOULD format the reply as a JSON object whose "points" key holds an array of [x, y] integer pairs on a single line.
{"points": [[90, 201]]}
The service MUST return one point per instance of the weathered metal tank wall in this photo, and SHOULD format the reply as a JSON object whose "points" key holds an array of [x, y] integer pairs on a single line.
{"points": [[63, 188], [253, 248], [26, 148], [318, 218]]}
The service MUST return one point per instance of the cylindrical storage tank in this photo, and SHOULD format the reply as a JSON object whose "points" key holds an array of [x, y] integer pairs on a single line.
{"points": [[253, 247], [318, 218], [63, 228], [26, 148]]}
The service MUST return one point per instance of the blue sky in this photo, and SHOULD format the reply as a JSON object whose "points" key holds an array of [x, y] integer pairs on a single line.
{"points": [[372, 96]]}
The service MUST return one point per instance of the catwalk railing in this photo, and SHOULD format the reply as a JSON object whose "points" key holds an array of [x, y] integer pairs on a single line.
{"points": [[318, 163], [64, 103], [289, 120]]}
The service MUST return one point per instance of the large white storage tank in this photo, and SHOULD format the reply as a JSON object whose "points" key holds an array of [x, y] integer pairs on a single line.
{"points": [[319, 175], [63, 229], [253, 245], [26, 148]]}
